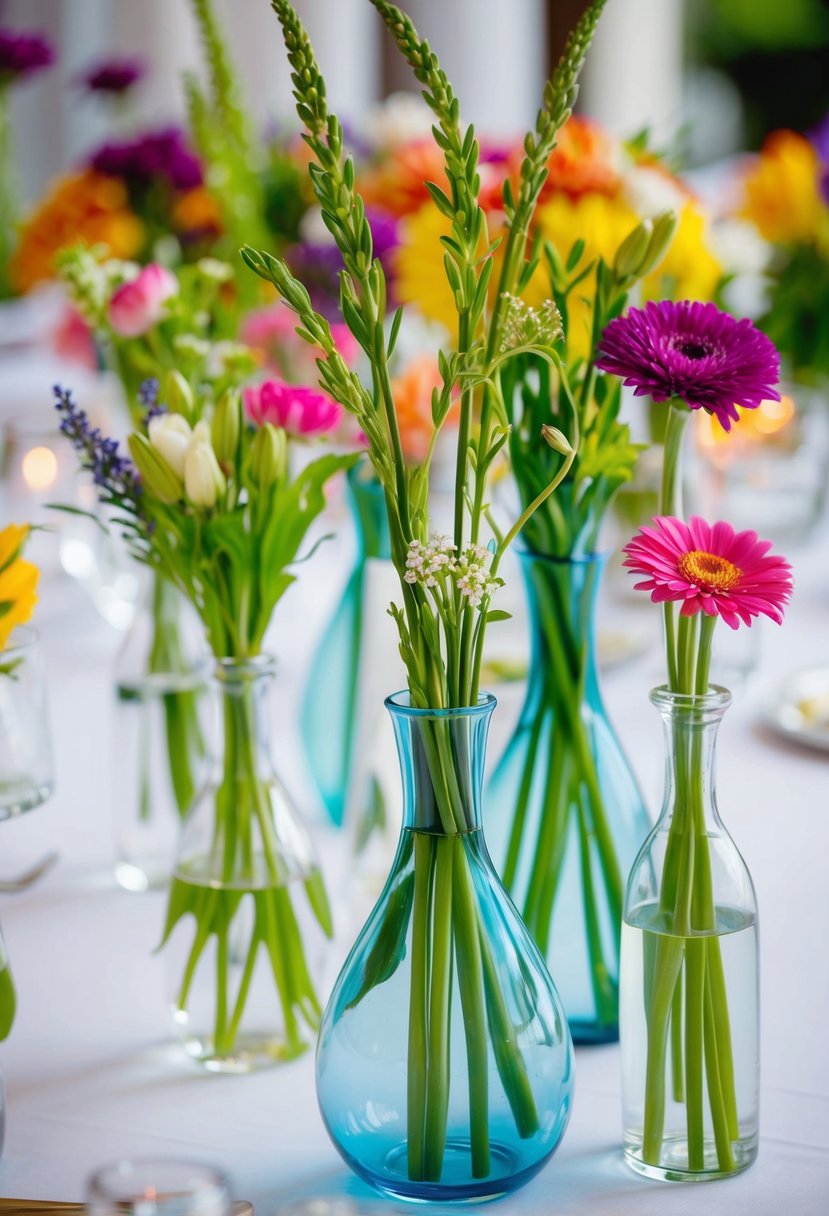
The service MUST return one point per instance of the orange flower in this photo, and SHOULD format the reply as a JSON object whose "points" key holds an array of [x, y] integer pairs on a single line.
{"points": [[398, 184], [197, 211], [85, 207], [581, 163], [782, 194], [412, 392]]}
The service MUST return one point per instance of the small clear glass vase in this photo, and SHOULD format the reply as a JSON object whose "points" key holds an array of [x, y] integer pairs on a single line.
{"points": [[444, 1066], [689, 985], [329, 706], [8, 1002], [26, 767], [248, 915], [160, 751], [567, 817]]}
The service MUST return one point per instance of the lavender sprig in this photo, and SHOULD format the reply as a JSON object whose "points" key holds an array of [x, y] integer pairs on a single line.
{"points": [[114, 474], [148, 397]]}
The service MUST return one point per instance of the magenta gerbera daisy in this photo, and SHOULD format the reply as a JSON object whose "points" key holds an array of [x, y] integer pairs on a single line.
{"points": [[695, 352], [710, 568]]}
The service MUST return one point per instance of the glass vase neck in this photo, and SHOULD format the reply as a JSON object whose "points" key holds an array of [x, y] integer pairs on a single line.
{"points": [[235, 674], [368, 510], [561, 593], [691, 725], [441, 754]]}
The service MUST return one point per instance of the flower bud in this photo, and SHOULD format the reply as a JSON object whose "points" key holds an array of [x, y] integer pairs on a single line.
{"points": [[268, 456], [159, 479], [227, 425], [557, 440], [664, 227], [630, 255], [170, 435], [138, 305], [178, 394], [203, 479]]}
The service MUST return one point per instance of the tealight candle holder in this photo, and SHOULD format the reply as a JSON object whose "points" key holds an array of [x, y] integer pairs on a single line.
{"points": [[158, 1188]]}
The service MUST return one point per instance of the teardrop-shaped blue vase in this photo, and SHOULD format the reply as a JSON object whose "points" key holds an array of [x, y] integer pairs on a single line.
{"points": [[445, 1064]]}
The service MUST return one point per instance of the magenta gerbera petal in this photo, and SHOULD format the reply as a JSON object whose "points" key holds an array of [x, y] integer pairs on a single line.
{"points": [[694, 352], [710, 568]]}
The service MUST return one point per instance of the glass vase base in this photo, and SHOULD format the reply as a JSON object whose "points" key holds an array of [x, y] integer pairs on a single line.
{"points": [[591, 1034], [455, 1184], [19, 796], [673, 1160], [251, 1053]]}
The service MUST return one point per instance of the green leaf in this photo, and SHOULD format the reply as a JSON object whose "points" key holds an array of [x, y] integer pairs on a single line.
{"points": [[8, 1001], [389, 946]]}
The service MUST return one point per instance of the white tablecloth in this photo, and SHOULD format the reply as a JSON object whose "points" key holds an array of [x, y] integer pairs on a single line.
{"points": [[90, 1069]]}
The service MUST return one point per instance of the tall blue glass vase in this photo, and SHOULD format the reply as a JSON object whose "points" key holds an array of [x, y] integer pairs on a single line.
{"points": [[567, 817], [444, 1065], [329, 705]]}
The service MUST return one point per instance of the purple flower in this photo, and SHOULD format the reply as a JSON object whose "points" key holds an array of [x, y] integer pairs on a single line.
{"points": [[384, 233], [113, 473], [23, 54], [157, 154], [317, 266], [695, 352], [115, 75]]}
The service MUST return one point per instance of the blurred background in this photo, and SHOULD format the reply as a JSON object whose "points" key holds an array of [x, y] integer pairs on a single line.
{"points": [[707, 77]]}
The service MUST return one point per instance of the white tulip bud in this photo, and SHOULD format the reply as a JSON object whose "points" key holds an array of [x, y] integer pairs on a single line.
{"points": [[170, 435], [203, 479]]}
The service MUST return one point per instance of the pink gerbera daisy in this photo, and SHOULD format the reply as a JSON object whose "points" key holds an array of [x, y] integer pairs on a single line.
{"points": [[694, 352], [710, 568]]}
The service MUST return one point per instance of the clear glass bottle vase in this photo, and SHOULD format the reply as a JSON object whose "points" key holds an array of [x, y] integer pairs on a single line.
{"points": [[248, 914], [160, 752], [329, 706], [567, 817], [445, 1065], [26, 764], [689, 985]]}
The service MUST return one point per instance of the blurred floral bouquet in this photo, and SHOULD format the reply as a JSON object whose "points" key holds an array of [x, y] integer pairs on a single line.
{"points": [[18, 597], [786, 195], [209, 503]]}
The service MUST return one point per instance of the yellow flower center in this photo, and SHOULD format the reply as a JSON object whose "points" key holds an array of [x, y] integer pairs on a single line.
{"points": [[709, 571]]}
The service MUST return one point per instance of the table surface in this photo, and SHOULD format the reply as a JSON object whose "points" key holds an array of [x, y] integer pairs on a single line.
{"points": [[91, 1071]]}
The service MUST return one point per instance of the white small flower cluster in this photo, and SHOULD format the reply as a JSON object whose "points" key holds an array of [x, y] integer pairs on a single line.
{"points": [[526, 326], [431, 564]]}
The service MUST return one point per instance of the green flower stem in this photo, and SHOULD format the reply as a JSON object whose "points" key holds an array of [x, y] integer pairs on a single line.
{"points": [[243, 814], [670, 503], [702, 1053], [440, 1001], [470, 983], [447, 926], [418, 1005], [580, 796]]}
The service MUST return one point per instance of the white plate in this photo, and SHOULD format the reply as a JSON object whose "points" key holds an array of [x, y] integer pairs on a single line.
{"points": [[798, 707]]}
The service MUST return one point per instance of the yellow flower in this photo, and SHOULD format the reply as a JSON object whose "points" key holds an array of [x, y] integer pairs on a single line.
{"points": [[84, 207], [18, 581], [781, 190], [689, 270], [602, 223], [419, 277]]}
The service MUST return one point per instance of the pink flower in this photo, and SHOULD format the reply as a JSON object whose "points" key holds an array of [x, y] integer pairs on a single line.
{"points": [[710, 568], [273, 331], [300, 411], [138, 305]]}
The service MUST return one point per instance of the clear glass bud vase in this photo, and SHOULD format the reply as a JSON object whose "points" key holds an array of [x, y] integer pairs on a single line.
{"points": [[445, 1065], [329, 707], [160, 754], [566, 812], [248, 914], [689, 986]]}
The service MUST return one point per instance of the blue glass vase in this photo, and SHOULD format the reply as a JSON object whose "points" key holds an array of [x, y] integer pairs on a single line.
{"points": [[329, 705], [444, 1065], [567, 815]]}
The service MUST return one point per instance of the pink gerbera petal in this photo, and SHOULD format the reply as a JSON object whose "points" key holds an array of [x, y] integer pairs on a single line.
{"points": [[710, 568]]}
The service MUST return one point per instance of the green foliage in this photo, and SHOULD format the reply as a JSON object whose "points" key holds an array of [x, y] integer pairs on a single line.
{"points": [[224, 141], [797, 316]]}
